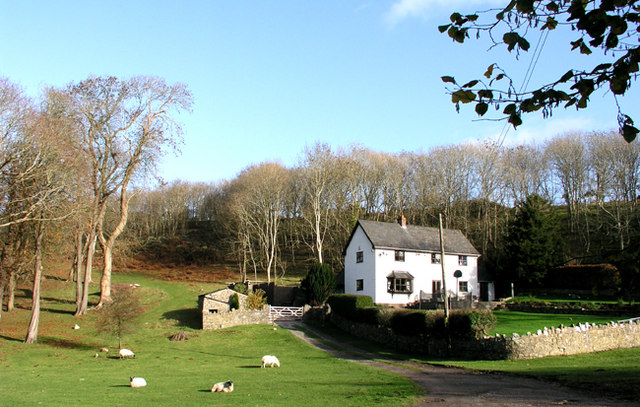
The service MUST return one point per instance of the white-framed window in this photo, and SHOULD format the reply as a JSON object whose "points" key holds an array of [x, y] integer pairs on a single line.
{"points": [[399, 255], [359, 285], [463, 286], [462, 260], [436, 258], [359, 256]]}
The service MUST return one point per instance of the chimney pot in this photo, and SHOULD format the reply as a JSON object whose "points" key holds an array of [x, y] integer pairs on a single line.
{"points": [[402, 221]]}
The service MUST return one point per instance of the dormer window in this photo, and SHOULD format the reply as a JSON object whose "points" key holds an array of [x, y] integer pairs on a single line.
{"points": [[399, 255]]}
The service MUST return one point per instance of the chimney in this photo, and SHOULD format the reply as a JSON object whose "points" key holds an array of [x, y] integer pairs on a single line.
{"points": [[402, 221]]}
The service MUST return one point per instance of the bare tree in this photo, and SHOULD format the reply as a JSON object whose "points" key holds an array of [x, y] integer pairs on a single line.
{"points": [[258, 196], [125, 126], [317, 172]]}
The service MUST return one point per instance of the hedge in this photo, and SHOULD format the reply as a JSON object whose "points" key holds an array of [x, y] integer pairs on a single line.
{"points": [[347, 305], [463, 324]]}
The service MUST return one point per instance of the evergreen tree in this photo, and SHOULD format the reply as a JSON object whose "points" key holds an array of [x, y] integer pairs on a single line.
{"points": [[533, 244], [319, 283]]}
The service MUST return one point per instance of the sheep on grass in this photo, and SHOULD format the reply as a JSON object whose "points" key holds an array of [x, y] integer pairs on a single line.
{"points": [[222, 387], [270, 360], [126, 353], [137, 381]]}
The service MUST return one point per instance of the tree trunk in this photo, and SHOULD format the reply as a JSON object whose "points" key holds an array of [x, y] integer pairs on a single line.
{"points": [[78, 266], [32, 331], [91, 248], [3, 284], [107, 246], [11, 291]]}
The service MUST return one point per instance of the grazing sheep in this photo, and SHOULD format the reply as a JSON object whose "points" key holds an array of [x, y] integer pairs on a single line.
{"points": [[105, 350], [76, 326], [222, 387], [97, 355], [270, 360], [137, 381], [126, 353]]}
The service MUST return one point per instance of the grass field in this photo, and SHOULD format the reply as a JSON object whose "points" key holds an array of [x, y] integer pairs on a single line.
{"points": [[510, 322], [60, 369]]}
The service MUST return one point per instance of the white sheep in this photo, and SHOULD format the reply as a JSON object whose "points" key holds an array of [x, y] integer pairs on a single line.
{"points": [[223, 387], [137, 381], [126, 353], [270, 360]]}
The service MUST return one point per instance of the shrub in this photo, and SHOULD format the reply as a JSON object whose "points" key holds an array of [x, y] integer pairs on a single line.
{"points": [[416, 322], [241, 288], [235, 301], [368, 315], [319, 283], [347, 305], [471, 324], [256, 300]]}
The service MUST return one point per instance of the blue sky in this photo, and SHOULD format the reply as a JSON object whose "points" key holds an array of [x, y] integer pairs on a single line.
{"points": [[271, 77]]}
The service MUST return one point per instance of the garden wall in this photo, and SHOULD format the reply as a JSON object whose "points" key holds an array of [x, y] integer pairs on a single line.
{"points": [[583, 338], [235, 317]]}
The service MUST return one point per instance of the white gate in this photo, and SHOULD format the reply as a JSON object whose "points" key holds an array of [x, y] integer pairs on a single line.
{"points": [[285, 313]]}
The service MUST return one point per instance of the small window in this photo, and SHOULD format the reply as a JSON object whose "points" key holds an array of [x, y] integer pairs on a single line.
{"points": [[462, 260], [399, 255], [359, 257], [359, 285], [213, 311], [435, 258], [463, 286]]}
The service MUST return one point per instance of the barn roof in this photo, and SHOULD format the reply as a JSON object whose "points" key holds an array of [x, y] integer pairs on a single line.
{"points": [[387, 235]]}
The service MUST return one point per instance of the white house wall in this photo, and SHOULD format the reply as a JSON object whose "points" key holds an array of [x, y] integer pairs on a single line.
{"points": [[360, 271]]}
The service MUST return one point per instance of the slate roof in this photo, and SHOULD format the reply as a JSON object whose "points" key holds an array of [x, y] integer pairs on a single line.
{"points": [[386, 235]]}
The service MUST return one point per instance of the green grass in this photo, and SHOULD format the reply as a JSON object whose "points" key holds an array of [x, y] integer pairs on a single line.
{"points": [[510, 322], [60, 369], [614, 373]]}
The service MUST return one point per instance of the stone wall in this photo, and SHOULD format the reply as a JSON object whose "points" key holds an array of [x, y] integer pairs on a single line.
{"points": [[583, 338], [234, 318]]}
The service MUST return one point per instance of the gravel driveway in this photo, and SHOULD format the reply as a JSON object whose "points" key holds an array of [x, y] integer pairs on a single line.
{"points": [[447, 386]]}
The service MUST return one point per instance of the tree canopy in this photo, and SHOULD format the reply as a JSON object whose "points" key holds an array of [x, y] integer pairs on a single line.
{"points": [[611, 26]]}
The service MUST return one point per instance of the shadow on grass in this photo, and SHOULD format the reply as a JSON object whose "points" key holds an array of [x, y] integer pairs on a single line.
{"points": [[57, 311], [57, 300], [250, 367], [8, 338], [65, 343], [188, 317]]}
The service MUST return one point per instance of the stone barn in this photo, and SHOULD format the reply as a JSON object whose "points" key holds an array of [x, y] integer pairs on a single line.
{"points": [[216, 311]]}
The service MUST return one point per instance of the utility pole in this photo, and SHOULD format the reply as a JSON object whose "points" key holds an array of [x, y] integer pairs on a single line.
{"points": [[444, 281]]}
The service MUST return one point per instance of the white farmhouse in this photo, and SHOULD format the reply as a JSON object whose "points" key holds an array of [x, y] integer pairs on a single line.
{"points": [[397, 264]]}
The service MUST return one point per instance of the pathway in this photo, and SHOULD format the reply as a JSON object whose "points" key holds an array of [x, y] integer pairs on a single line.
{"points": [[447, 386]]}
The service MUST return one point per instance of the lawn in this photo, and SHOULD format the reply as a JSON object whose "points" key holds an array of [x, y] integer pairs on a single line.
{"points": [[60, 369], [614, 373], [510, 322]]}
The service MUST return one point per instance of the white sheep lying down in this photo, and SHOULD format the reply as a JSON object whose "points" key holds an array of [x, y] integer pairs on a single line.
{"points": [[223, 387], [270, 360], [137, 381], [126, 353]]}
